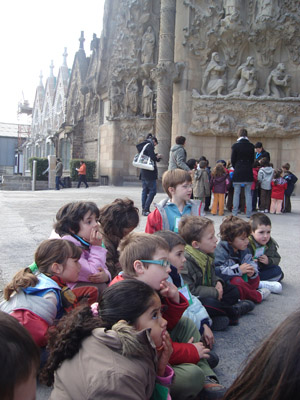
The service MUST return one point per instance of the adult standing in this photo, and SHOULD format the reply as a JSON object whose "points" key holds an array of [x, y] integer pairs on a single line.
{"points": [[260, 152], [177, 157], [82, 174], [58, 174], [149, 178], [242, 158]]}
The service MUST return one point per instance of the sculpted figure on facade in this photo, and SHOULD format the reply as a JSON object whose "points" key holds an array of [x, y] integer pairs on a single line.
{"points": [[278, 82], [115, 97], [147, 100], [131, 97], [245, 79], [214, 76], [231, 8], [148, 44]]}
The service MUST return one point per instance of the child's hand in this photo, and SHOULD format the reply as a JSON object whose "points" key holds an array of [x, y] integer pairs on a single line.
{"points": [[164, 354], [246, 269], [208, 336], [219, 288], [96, 238], [168, 289], [202, 350], [263, 259], [99, 277]]}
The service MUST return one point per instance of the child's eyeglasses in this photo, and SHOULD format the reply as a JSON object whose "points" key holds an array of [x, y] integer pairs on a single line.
{"points": [[164, 263]]}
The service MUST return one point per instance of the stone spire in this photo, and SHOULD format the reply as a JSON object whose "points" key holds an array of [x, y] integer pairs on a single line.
{"points": [[41, 79], [81, 41], [65, 55], [51, 69]]}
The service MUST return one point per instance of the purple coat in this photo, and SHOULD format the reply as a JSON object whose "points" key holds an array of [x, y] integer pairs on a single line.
{"points": [[218, 183]]}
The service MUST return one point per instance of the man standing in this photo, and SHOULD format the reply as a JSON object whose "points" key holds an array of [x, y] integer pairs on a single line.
{"points": [[242, 158], [177, 157], [261, 152], [149, 177], [58, 174], [82, 174]]}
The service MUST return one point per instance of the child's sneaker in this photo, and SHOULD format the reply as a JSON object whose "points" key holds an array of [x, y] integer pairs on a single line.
{"points": [[244, 306], [274, 287], [219, 323], [264, 293], [212, 390]]}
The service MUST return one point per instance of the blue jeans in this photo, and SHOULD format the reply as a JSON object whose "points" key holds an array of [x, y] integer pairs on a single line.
{"points": [[236, 197], [58, 182], [148, 193]]}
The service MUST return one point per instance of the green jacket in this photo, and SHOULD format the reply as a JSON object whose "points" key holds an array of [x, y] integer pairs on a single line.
{"points": [[270, 251], [194, 277]]}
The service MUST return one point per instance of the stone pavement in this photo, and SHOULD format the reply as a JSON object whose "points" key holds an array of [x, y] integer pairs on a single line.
{"points": [[27, 218]]}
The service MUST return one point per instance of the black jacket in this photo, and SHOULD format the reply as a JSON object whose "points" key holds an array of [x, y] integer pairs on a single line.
{"points": [[263, 154], [242, 158], [149, 151]]}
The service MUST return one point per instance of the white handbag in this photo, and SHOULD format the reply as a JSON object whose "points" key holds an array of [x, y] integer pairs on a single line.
{"points": [[142, 161]]}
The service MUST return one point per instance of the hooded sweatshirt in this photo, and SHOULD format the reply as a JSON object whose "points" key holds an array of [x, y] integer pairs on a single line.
{"points": [[265, 176], [177, 158]]}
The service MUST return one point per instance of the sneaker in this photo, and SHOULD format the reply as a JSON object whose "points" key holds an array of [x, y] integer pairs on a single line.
{"points": [[213, 359], [266, 211], [244, 306], [145, 213], [264, 293], [219, 323], [212, 390], [274, 287]]}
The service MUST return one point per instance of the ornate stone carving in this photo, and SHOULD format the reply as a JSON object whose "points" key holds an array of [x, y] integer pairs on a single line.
{"points": [[134, 130], [148, 44], [147, 100], [116, 99], [278, 82], [214, 76], [131, 97], [245, 79]]}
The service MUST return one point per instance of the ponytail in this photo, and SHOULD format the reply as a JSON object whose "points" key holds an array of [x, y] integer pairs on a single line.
{"points": [[22, 279]]}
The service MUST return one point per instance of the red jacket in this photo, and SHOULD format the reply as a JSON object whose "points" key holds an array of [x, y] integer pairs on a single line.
{"points": [[278, 188], [255, 173], [82, 169], [182, 352]]}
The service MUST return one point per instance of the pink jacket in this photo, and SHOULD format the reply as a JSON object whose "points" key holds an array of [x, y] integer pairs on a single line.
{"points": [[90, 261]]}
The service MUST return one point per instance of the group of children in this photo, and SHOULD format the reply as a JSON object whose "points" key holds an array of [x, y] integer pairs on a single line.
{"points": [[136, 311], [271, 188]]}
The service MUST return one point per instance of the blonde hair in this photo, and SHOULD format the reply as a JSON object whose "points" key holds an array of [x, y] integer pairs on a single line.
{"points": [[173, 178], [193, 227], [137, 246]]}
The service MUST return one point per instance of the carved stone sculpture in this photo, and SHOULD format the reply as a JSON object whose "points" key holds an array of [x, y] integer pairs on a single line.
{"points": [[278, 82], [148, 43], [245, 81], [115, 97], [131, 97], [213, 79], [147, 100]]}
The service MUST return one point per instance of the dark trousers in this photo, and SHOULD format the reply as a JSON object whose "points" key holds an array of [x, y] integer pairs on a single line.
{"points": [[148, 193], [82, 178], [216, 308], [58, 182], [269, 272], [287, 207], [265, 199]]}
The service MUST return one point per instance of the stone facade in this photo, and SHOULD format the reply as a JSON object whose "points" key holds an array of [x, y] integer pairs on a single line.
{"points": [[190, 67]]}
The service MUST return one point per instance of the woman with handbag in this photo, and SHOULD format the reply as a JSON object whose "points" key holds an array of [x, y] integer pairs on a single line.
{"points": [[147, 176]]}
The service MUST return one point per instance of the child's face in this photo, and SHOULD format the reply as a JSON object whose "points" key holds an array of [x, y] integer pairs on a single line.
{"points": [[26, 390], [182, 192], [208, 241], [154, 274], [262, 234], [176, 257], [70, 271], [240, 242], [86, 225], [153, 319]]}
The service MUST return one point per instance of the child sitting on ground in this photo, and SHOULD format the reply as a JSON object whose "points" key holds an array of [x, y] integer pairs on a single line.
{"points": [[264, 251], [233, 260], [78, 223], [177, 183], [264, 177], [19, 360], [279, 185], [145, 257], [219, 298], [107, 353], [218, 184], [116, 219], [37, 295], [291, 180]]}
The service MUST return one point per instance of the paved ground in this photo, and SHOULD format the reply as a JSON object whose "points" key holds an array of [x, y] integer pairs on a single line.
{"points": [[27, 218]]}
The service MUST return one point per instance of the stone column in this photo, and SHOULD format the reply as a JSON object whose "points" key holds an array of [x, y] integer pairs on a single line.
{"points": [[164, 75]]}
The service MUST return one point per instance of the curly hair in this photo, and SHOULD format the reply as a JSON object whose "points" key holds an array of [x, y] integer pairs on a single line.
{"points": [[192, 227], [125, 300], [69, 216], [233, 227], [218, 170], [116, 220]]}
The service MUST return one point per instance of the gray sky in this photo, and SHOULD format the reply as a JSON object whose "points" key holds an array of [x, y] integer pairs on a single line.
{"points": [[33, 33]]}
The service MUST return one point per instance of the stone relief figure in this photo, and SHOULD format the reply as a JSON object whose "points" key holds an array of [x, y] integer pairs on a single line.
{"points": [[245, 81], [214, 79], [131, 97], [231, 8], [147, 100], [148, 43], [115, 97], [278, 83]]}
